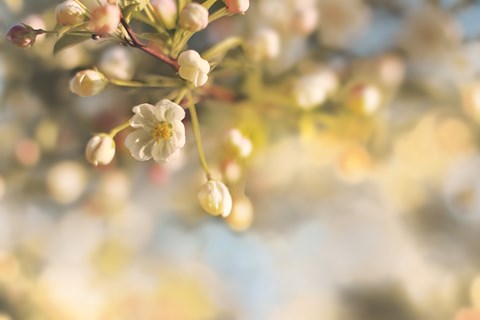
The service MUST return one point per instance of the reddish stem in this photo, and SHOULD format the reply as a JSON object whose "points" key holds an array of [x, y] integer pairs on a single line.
{"points": [[137, 44]]}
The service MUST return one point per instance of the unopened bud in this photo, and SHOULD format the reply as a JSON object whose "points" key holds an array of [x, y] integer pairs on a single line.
{"points": [[237, 6], [87, 83], [193, 68], [264, 45], [215, 198], [100, 150], [22, 36], [69, 13], [167, 11], [105, 19], [194, 17]]}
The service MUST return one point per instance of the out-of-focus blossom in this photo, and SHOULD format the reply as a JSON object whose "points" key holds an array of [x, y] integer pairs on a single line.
{"points": [[232, 171], [305, 19], [112, 192], [160, 132], [471, 100], [462, 193], [167, 11], [238, 144], [193, 17], [116, 63], [354, 164], [215, 198], [193, 68], [27, 152], [100, 150], [475, 292], [237, 6], [69, 13], [22, 36], [342, 21], [314, 88], [467, 314], [87, 83], [46, 134], [422, 155], [264, 45], [363, 98], [241, 217], [431, 33], [66, 181], [105, 19]]}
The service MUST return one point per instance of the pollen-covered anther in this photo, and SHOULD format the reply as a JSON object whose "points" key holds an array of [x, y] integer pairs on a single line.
{"points": [[162, 131]]}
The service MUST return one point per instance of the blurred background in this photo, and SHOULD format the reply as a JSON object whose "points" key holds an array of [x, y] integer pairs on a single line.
{"points": [[364, 118]]}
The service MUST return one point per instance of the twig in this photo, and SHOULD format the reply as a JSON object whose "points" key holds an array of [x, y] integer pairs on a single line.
{"points": [[137, 44]]}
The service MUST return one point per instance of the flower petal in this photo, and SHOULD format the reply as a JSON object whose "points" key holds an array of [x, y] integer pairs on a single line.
{"points": [[144, 117], [140, 144], [178, 136], [164, 151], [174, 112]]}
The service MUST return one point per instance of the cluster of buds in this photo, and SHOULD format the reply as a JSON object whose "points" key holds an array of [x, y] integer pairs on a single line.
{"points": [[159, 129]]}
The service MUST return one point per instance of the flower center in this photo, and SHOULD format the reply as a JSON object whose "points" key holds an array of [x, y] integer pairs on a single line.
{"points": [[162, 131]]}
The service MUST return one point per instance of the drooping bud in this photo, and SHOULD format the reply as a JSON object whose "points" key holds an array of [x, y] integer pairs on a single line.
{"points": [[87, 83], [100, 150], [167, 11], [69, 13], [193, 68], [22, 36], [215, 198], [105, 19], [237, 6], [194, 17]]}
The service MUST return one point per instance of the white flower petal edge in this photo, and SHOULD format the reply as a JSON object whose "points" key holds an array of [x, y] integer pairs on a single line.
{"points": [[160, 132]]}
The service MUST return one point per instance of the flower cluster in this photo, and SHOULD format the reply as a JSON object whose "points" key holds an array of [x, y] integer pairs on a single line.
{"points": [[159, 129]]}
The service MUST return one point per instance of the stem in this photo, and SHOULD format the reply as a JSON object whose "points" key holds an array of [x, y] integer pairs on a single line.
{"points": [[181, 95], [198, 137], [137, 44], [208, 3], [119, 128], [222, 48], [138, 84], [218, 14]]}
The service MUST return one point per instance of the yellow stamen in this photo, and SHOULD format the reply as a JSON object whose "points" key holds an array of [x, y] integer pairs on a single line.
{"points": [[162, 131]]}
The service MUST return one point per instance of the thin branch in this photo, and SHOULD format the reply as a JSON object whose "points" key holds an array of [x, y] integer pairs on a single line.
{"points": [[135, 42]]}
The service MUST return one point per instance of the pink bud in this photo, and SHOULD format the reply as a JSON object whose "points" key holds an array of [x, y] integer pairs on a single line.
{"points": [[237, 6], [21, 35], [167, 11], [105, 19]]}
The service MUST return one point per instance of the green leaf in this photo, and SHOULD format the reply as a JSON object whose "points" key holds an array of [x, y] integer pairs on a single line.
{"points": [[69, 40]]}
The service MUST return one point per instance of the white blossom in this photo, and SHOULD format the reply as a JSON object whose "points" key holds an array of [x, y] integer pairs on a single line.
{"points": [[193, 68], [160, 132]]}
